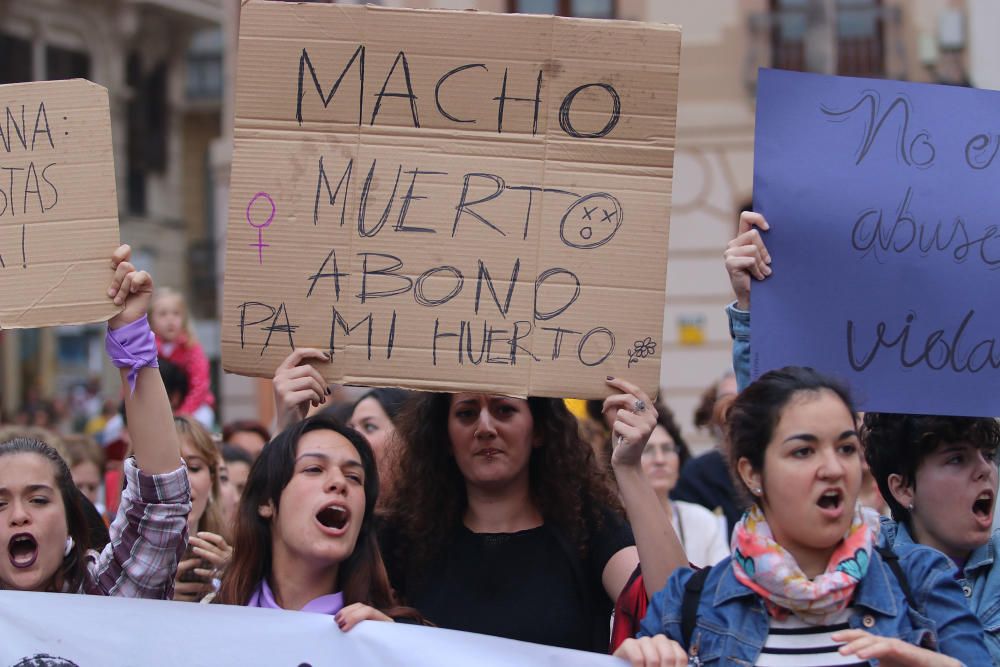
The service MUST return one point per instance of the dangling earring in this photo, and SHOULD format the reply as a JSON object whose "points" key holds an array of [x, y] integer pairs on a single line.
{"points": [[69, 546]]}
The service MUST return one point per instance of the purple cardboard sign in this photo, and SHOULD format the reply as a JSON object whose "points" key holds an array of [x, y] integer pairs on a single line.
{"points": [[883, 199]]}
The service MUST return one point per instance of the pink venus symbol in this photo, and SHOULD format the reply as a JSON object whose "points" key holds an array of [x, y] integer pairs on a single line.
{"points": [[260, 245]]}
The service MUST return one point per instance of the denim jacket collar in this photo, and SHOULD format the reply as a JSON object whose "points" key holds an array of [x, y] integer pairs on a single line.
{"points": [[874, 591], [980, 559], [730, 588], [898, 534]]}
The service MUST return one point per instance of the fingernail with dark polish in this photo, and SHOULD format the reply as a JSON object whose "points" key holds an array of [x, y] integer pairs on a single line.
{"points": [[611, 377]]}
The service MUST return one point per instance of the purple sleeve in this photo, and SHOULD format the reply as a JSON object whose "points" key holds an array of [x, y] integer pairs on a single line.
{"points": [[148, 537]]}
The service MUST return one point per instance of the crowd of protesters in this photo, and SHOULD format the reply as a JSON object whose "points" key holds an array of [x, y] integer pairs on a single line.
{"points": [[809, 534]]}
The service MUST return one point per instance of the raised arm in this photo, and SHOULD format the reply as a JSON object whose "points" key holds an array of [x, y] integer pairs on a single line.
{"points": [[746, 257], [147, 408], [660, 550], [149, 532]]}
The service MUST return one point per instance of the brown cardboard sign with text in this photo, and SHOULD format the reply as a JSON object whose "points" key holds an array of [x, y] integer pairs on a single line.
{"points": [[58, 204], [451, 200]]}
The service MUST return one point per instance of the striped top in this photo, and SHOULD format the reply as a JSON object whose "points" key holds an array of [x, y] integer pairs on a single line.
{"points": [[794, 643]]}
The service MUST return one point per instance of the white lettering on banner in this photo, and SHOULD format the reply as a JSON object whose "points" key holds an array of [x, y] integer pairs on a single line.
{"points": [[85, 630]]}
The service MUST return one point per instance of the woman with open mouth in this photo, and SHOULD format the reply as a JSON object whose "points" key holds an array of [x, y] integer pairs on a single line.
{"points": [[939, 477], [937, 474], [305, 535], [806, 583], [500, 520], [41, 518]]}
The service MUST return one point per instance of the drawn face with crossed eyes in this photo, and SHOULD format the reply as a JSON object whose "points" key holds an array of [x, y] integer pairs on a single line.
{"points": [[591, 221]]}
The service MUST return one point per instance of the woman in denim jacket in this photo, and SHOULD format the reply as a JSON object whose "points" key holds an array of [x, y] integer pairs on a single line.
{"points": [[953, 458], [805, 582]]}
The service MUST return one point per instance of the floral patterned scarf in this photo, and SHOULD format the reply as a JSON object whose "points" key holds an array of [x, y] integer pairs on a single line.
{"points": [[765, 567]]}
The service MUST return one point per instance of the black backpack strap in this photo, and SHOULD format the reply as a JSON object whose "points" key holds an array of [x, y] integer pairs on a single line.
{"points": [[690, 602], [892, 560]]}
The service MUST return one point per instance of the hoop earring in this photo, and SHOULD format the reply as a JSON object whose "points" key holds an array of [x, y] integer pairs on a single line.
{"points": [[69, 546]]}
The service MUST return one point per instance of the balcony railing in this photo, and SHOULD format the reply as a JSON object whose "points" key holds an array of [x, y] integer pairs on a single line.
{"points": [[866, 40]]}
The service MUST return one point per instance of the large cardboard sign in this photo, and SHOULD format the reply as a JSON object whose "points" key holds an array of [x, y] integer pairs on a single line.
{"points": [[882, 198], [449, 200], [58, 204], [60, 630]]}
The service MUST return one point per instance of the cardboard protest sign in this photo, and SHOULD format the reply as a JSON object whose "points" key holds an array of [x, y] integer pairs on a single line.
{"points": [[58, 205], [59, 630], [449, 200], [882, 199]]}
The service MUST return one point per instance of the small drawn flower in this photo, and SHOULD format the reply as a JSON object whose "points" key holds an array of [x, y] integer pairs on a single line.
{"points": [[640, 350]]}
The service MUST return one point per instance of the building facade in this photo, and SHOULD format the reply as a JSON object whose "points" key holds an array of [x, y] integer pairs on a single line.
{"points": [[724, 43], [161, 62], [169, 67]]}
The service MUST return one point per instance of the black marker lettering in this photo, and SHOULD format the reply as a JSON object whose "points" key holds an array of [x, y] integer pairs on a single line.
{"points": [[392, 336], [567, 104], [437, 91], [409, 196], [400, 58], [583, 343], [41, 115], [558, 339], [975, 151], [424, 300], [32, 176], [517, 336], [540, 281], [467, 326], [492, 335], [287, 327], [503, 98], [464, 205], [359, 56], [55, 192], [447, 334], [345, 182], [388, 271], [335, 274], [873, 124], [363, 207], [338, 320], [484, 273]]}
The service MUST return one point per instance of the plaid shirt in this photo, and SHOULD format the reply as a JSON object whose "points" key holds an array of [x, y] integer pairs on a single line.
{"points": [[148, 537]]}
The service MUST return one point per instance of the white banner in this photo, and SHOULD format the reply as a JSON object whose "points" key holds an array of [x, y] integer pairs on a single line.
{"points": [[91, 631]]}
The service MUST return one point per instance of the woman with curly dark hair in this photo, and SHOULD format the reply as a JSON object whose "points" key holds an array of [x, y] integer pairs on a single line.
{"points": [[502, 522]]}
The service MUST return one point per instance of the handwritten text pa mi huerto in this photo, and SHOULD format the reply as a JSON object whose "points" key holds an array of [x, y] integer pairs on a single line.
{"points": [[883, 233], [588, 221], [492, 332]]}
